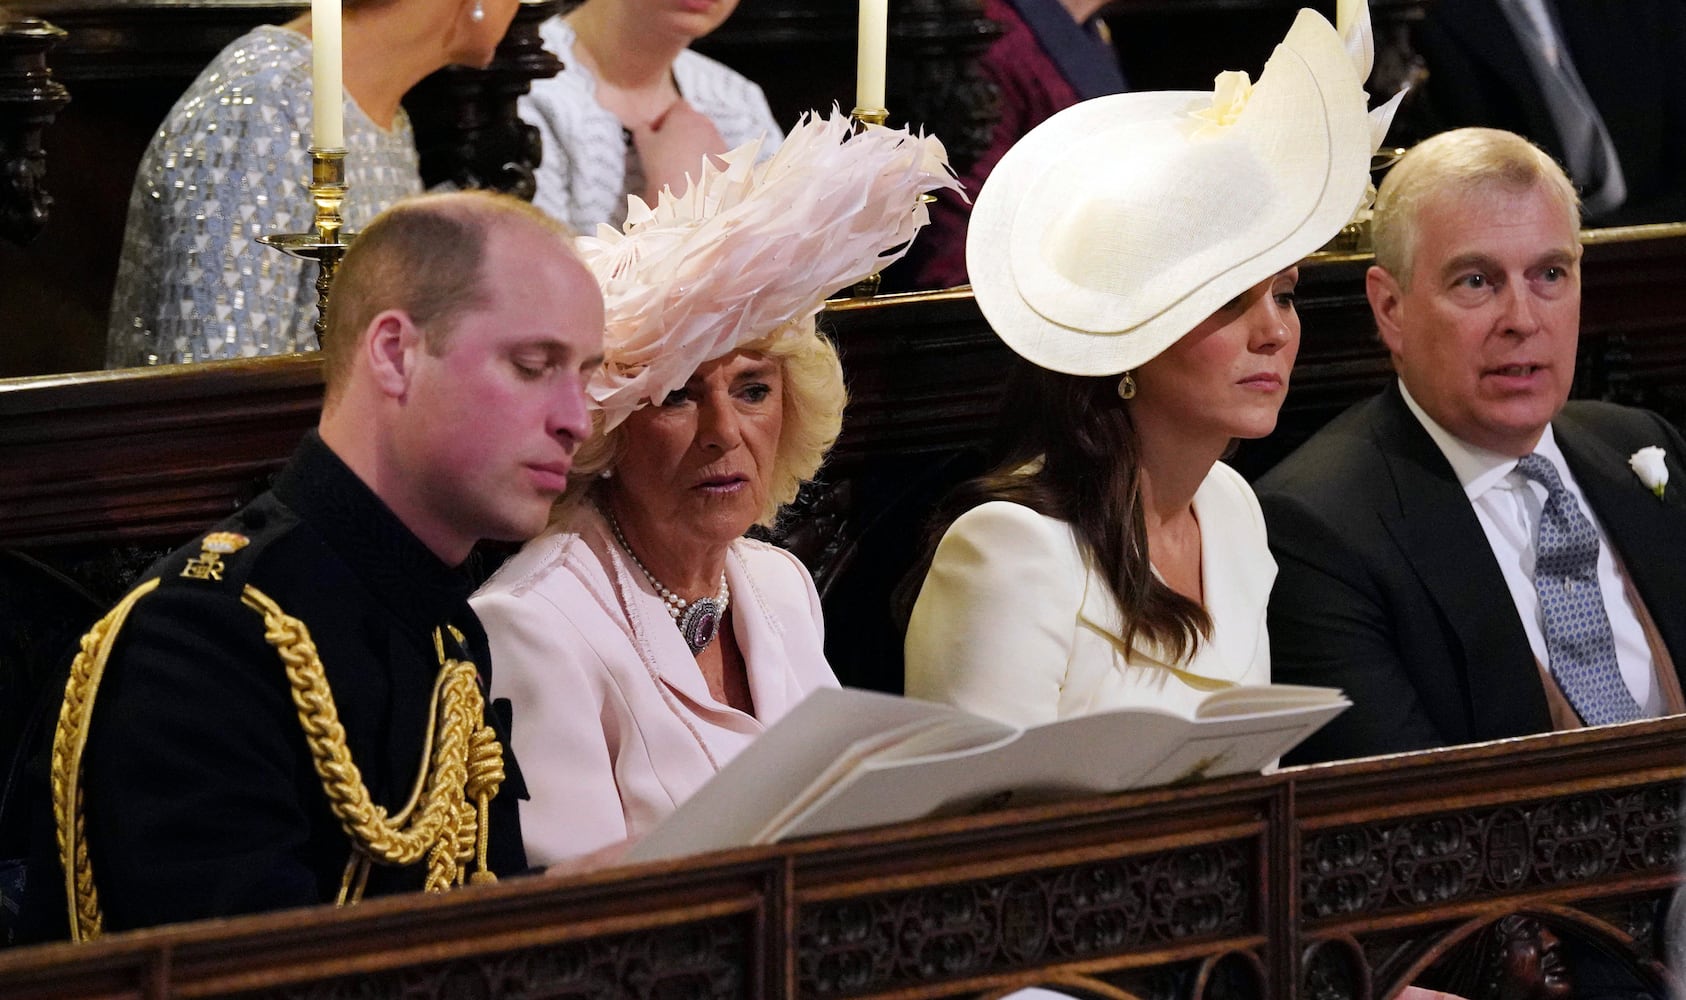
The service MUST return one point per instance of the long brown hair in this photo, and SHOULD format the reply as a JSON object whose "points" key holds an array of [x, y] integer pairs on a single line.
{"points": [[1088, 476]]}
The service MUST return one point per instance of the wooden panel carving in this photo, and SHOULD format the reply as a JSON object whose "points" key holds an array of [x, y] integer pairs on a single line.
{"points": [[712, 960], [1334, 969], [1642, 917], [860, 945], [1169, 894], [1391, 865]]}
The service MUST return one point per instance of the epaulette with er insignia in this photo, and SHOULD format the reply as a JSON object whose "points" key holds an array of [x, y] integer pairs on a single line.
{"points": [[228, 555], [208, 564]]}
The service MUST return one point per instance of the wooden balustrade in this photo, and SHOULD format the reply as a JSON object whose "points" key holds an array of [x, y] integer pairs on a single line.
{"points": [[1334, 882]]}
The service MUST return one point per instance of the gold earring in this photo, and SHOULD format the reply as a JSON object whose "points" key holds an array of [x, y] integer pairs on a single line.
{"points": [[1127, 386]]}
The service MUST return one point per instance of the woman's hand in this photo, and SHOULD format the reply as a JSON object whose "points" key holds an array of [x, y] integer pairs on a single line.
{"points": [[1418, 993], [673, 145]]}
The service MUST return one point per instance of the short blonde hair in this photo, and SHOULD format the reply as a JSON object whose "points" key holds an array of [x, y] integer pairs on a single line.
{"points": [[1457, 162], [814, 397]]}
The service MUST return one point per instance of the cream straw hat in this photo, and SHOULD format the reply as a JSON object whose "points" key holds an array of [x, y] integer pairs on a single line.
{"points": [[1119, 224]]}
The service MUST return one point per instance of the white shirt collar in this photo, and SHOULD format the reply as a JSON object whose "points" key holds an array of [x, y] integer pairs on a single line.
{"points": [[1478, 469]]}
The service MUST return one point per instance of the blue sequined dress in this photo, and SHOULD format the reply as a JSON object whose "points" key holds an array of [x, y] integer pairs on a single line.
{"points": [[229, 164]]}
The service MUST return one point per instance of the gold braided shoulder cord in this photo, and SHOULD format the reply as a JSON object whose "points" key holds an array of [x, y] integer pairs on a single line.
{"points": [[70, 737], [446, 820]]}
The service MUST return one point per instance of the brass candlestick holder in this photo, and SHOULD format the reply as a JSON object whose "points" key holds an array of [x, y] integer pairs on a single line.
{"points": [[327, 243], [1356, 237], [870, 116], [867, 287]]}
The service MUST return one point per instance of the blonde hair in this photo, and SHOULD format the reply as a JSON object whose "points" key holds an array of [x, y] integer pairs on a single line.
{"points": [[814, 397], [425, 257], [1458, 162]]}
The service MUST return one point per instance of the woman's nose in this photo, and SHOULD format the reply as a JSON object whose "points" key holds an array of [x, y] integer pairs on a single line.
{"points": [[717, 425], [1273, 325]]}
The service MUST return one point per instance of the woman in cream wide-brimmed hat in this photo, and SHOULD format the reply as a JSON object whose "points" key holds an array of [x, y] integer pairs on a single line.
{"points": [[1140, 251]]}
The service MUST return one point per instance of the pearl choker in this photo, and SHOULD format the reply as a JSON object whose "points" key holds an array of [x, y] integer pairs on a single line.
{"points": [[699, 620]]}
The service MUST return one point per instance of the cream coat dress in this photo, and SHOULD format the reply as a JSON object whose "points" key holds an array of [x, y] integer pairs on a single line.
{"points": [[1009, 620], [614, 725]]}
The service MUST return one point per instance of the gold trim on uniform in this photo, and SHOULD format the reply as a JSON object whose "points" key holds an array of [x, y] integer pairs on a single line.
{"points": [[446, 822]]}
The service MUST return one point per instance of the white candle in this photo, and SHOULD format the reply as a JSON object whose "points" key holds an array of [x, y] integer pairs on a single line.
{"points": [[869, 58], [326, 100]]}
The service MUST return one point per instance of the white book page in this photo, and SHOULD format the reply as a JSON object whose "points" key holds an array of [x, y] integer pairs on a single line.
{"points": [[782, 765]]}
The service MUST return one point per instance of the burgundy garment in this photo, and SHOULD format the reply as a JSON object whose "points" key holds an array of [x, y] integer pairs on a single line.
{"points": [[1034, 72]]}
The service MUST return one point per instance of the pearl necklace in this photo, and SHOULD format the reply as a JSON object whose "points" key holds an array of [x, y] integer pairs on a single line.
{"points": [[699, 620]]}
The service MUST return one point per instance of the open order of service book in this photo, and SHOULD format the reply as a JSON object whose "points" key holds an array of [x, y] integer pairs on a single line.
{"points": [[846, 759]]}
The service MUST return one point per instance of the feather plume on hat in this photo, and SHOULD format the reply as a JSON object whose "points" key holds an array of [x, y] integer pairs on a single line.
{"points": [[751, 249]]}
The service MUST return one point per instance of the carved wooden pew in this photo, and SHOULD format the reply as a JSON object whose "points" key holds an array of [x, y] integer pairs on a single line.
{"points": [[1336, 881]]}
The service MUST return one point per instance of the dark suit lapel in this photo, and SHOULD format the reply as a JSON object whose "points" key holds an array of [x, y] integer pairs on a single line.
{"points": [[1649, 534], [1438, 534], [1482, 28]]}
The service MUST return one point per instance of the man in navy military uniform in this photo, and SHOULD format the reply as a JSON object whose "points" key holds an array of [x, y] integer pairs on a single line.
{"points": [[320, 626]]}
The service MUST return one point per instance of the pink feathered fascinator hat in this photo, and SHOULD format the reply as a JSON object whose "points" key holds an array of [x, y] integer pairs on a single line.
{"points": [[750, 250]]}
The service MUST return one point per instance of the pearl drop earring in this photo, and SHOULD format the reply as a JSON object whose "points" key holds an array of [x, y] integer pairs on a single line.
{"points": [[478, 14]]}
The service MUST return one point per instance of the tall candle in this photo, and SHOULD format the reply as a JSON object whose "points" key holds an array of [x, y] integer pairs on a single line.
{"points": [[326, 100], [869, 57]]}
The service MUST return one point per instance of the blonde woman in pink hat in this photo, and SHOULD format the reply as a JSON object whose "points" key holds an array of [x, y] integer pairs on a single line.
{"points": [[643, 640], [1140, 253]]}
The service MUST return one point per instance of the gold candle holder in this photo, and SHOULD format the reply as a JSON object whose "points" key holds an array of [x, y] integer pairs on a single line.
{"points": [[867, 287], [1357, 237], [327, 243], [870, 116]]}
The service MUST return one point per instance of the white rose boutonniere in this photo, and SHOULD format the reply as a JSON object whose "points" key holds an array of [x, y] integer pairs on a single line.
{"points": [[1649, 466]]}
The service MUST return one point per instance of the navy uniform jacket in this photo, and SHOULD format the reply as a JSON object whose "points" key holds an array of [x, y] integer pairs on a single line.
{"points": [[201, 798], [1387, 588]]}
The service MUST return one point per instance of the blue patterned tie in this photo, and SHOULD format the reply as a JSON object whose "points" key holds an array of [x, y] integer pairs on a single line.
{"points": [[1577, 631]]}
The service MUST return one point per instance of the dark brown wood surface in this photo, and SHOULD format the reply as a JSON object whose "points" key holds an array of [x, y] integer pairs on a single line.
{"points": [[1336, 881]]}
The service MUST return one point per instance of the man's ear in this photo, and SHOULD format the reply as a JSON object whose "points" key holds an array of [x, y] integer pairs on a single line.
{"points": [[1387, 305], [392, 346]]}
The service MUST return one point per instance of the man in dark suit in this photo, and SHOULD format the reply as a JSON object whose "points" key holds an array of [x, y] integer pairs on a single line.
{"points": [[1437, 560], [1549, 68]]}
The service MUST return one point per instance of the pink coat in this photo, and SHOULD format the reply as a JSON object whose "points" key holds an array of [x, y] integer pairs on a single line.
{"points": [[614, 725]]}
